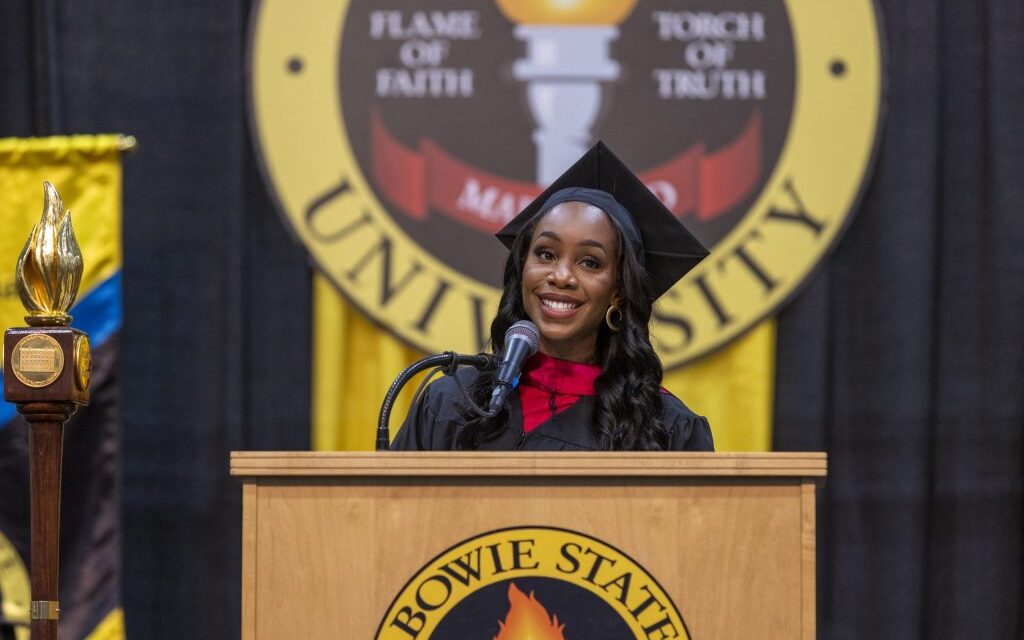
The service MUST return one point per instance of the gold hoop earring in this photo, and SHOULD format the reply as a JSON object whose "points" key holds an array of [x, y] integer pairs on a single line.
{"points": [[608, 318]]}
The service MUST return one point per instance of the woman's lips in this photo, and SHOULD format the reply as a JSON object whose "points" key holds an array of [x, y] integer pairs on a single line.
{"points": [[559, 307]]}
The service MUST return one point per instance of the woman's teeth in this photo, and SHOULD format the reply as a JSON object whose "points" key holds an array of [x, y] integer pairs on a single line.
{"points": [[555, 305]]}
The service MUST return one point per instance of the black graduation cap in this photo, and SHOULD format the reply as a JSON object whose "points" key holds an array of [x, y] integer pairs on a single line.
{"points": [[669, 250]]}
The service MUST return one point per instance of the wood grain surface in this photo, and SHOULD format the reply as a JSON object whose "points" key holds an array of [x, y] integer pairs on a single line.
{"points": [[455, 463], [330, 540]]}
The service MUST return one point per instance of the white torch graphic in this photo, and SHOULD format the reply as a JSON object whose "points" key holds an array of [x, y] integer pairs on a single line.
{"points": [[567, 58]]}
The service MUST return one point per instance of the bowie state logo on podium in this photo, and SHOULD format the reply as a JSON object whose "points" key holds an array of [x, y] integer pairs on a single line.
{"points": [[397, 140], [532, 583]]}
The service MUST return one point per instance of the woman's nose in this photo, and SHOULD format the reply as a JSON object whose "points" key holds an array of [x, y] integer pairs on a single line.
{"points": [[562, 276]]}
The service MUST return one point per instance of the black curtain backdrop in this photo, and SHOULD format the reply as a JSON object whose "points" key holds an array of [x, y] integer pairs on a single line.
{"points": [[903, 358]]}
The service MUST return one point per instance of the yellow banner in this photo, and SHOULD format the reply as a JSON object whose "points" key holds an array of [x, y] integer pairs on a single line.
{"points": [[87, 173], [86, 170]]}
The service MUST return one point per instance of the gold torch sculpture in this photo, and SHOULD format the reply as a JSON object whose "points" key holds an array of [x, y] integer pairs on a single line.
{"points": [[47, 367]]}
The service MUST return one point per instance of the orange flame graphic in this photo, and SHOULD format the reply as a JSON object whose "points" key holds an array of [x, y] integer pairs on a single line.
{"points": [[527, 619]]}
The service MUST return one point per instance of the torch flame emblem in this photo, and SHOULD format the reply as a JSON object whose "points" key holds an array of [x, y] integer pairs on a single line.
{"points": [[50, 266], [527, 619]]}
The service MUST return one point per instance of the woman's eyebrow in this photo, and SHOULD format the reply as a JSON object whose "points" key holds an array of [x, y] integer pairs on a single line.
{"points": [[593, 243], [583, 243]]}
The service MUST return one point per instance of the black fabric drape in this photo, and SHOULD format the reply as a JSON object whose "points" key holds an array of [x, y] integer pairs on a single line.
{"points": [[903, 358], [215, 343]]}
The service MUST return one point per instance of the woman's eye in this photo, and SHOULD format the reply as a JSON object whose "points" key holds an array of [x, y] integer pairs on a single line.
{"points": [[545, 254], [590, 263]]}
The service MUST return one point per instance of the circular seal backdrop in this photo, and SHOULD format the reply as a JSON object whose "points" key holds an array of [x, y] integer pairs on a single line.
{"points": [[396, 141], [540, 583]]}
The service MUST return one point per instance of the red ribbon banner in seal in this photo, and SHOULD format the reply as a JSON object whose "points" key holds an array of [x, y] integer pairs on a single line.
{"points": [[693, 184]]}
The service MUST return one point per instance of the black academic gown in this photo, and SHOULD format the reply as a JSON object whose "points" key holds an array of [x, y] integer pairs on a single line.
{"points": [[432, 425]]}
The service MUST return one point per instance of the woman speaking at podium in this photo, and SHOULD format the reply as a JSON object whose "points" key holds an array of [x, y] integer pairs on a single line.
{"points": [[587, 260]]}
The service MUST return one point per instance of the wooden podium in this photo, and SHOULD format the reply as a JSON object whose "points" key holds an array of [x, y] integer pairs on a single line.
{"points": [[330, 540]]}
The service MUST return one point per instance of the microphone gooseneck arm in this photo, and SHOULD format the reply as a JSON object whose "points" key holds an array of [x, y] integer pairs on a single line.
{"points": [[448, 360]]}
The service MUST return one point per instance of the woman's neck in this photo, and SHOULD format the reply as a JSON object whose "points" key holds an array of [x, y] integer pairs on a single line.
{"points": [[579, 353]]}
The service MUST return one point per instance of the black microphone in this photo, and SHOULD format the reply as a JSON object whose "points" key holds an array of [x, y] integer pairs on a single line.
{"points": [[521, 341]]}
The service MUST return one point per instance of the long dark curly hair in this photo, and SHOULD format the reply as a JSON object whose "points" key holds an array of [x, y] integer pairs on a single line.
{"points": [[627, 406]]}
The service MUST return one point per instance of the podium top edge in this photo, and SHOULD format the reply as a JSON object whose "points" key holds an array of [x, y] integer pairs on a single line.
{"points": [[520, 464]]}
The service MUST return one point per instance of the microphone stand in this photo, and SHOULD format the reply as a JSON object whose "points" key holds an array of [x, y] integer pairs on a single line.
{"points": [[449, 360]]}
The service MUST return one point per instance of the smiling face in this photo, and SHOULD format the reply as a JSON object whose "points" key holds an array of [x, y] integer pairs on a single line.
{"points": [[570, 279]]}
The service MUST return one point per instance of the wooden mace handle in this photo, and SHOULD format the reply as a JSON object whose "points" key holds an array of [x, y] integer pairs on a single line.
{"points": [[46, 446]]}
